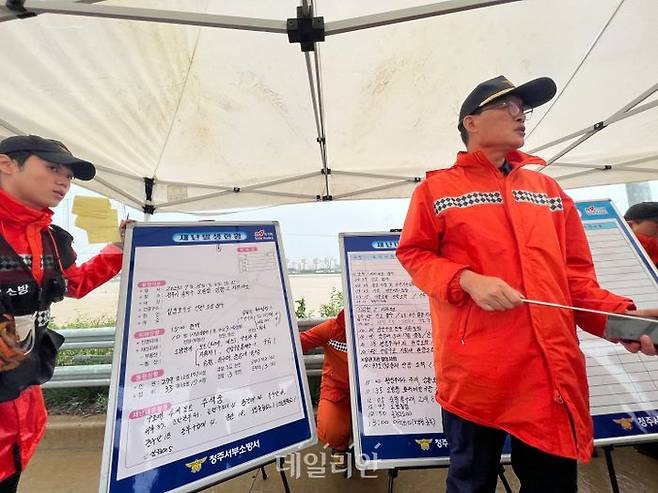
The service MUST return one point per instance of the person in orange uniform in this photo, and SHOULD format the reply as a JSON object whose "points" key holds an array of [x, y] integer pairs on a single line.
{"points": [[478, 238], [643, 220], [37, 268], [334, 410]]}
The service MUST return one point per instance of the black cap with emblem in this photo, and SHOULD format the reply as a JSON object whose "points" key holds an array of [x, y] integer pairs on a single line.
{"points": [[533, 94], [50, 150]]}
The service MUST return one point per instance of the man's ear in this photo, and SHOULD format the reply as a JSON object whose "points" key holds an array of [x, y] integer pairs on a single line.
{"points": [[469, 123], [6, 164]]}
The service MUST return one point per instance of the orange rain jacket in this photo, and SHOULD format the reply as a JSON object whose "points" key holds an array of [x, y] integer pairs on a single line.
{"points": [[650, 245], [23, 420], [519, 370], [335, 384]]}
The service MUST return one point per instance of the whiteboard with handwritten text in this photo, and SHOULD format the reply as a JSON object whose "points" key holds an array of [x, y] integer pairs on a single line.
{"points": [[623, 387], [208, 379], [395, 418], [397, 422]]}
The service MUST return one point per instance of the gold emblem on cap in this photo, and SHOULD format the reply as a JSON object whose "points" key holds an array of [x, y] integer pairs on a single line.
{"points": [[496, 95]]}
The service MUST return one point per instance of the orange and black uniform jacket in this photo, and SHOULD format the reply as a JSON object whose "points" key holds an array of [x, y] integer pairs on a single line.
{"points": [[23, 418], [519, 370], [330, 335]]}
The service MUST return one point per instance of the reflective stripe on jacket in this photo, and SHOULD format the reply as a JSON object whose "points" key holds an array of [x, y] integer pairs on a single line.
{"points": [[519, 370], [24, 419], [330, 335]]}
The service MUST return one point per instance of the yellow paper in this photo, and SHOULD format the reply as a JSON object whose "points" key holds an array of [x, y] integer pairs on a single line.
{"points": [[96, 216], [85, 206], [103, 235], [90, 222]]}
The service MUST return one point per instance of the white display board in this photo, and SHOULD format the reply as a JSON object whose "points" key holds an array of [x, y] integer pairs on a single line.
{"points": [[396, 420], [623, 386], [208, 379]]}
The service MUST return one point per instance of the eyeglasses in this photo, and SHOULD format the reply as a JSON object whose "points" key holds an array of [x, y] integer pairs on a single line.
{"points": [[513, 108]]}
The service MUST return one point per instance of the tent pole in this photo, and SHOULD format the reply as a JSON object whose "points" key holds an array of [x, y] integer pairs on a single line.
{"points": [[157, 15], [371, 189], [105, 183], [408, 14], [625, 112], [584, 165], [414, 179], [11, 128]]}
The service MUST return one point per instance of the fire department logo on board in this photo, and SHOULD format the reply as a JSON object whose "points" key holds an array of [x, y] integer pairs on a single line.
{"points": [[424, 443], [195, 465], [625, 423]]}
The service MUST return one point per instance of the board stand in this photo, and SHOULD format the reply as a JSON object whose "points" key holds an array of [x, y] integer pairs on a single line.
{"points": [[279, 461], [607, 450], [393, 473]]}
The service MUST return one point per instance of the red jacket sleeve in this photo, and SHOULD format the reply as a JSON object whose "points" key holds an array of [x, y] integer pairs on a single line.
{"points": [[419, 251], [583, 285], [318, 335], [88, 276], [650, 245]]}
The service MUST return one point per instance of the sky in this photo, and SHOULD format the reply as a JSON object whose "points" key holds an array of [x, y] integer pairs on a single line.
{"points": [[311, 230]]}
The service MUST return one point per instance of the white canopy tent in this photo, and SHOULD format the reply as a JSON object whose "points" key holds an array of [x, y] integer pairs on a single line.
{"points": [[209, 102]]}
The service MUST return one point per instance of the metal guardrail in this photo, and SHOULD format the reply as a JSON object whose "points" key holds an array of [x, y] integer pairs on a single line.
{"points": [[103, 338]]}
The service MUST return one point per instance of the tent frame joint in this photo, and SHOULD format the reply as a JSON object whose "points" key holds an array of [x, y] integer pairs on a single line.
{"points": [[305, 29], [148, 207], [325, 171], [600, 125]]}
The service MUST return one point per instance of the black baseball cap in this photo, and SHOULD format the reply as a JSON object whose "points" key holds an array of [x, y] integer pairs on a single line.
{"points": [[533, 93], [51, 150], [643, 210]]}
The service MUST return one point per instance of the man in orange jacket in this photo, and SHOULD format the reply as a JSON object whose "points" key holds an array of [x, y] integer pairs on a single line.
{"points": [[478, 238], [37, 268], [643, 220], [334, 411]]}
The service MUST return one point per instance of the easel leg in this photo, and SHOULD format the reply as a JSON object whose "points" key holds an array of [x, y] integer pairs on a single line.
{"points": [[350, 464], [503, 479], [284, 480], [611, 468], [262, 470], [392, 474]]}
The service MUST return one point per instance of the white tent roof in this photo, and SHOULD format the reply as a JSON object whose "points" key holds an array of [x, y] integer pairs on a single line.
{"points": [[206, 111]]}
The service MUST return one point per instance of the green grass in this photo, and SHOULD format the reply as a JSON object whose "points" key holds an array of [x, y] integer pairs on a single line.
{"points": [[80, 401], [84, 322]]}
